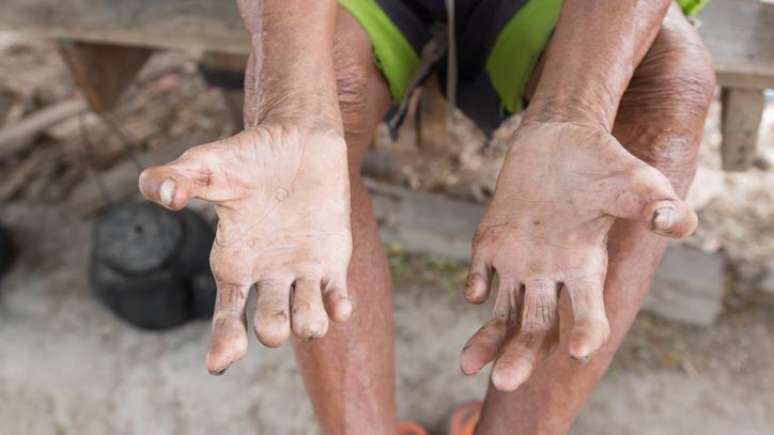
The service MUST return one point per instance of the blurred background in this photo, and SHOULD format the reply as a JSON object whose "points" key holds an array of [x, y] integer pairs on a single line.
{"points": [[84, 104]]}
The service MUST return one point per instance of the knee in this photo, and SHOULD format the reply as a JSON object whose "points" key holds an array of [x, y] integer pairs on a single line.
{"points": [[355, 72], [669, 98], [352, 83], [677, 79], [688, 79]]}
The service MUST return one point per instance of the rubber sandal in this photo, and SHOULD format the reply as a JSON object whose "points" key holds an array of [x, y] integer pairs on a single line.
{"points": [[410, 428], [465, 418]]}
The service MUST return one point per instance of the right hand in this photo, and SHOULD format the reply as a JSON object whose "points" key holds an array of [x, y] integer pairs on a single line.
{"points": [[282, 198]]}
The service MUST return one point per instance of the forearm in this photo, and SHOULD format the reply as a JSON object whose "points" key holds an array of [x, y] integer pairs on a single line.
{"points": [[591, 58], [290, 76]]}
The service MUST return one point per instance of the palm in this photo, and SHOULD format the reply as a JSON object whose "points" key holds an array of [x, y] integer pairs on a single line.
{"points": [[282, 198], [558, 193]]}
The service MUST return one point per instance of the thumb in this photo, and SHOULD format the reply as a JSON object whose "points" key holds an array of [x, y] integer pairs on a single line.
{"points": [[647, 195], [670, 218], [174, 184]]}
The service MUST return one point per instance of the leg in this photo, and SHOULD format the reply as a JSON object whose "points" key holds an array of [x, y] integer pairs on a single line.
{"points": [[349, 373], [660, 120]]}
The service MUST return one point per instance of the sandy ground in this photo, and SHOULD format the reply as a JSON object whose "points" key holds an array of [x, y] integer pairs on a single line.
{"points": [[67, 366]]}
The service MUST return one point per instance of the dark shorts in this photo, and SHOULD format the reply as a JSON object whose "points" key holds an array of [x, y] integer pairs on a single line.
{"points": [[498, 43]]}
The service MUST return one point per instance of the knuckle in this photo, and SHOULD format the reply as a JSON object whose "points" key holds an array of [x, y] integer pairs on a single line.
{"points": [[312, 270], [276, 316], [483, 240], [538, 322], [301, 307], [644, 177]]}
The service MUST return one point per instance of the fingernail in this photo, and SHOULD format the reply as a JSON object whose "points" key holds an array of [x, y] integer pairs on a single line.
{"points": [[662, 218], [167, 191], [218, 373], [582, 359]]}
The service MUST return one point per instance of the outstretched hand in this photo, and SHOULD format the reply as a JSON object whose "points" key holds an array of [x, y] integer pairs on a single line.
{"points": [[282, 198], [560, 189]]}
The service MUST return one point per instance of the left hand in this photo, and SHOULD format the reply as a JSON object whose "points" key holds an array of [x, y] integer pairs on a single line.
{"points": [[560, 189]]}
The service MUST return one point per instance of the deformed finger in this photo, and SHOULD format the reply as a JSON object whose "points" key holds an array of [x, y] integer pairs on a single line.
{"points": [[590, 326], [337, 301], [506, 306], [174, 184], [228, 340], [483, 347], [671, 218], [308, 319], [477, 284], [272, 311], [538, 324]]}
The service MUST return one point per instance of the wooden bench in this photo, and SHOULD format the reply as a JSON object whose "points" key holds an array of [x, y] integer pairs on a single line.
{"points": [[112, 38]]}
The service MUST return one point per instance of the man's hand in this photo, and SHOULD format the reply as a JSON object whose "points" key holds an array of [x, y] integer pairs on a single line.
{"points": [[282, 198], [560, 189]]}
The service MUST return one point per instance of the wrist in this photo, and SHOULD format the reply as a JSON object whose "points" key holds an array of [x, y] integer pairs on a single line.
{"points": [[570, 109], [306, 115]]}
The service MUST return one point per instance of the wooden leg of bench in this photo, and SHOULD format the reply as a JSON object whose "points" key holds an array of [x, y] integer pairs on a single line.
{"points": [[742, 111], [226, 71], [432, 131], [103, 71]]}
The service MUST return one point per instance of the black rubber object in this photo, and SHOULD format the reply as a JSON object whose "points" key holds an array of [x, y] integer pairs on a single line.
{"points": [[148, 263], [6, 250]]}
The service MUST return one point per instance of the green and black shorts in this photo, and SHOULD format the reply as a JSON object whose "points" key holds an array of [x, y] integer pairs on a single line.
{"points": [[498, 43]]}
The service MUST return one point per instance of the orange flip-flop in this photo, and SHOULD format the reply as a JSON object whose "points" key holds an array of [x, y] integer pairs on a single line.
{"points": [[465, 418], [410, 428]]}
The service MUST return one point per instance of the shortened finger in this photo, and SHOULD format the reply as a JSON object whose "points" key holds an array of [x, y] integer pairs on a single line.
{"points": [[507, 301], [540, 301], [228, 339], [483, 347], [308, 319], [337, 301], [518, 358], [174, 184], [477, 284], [671, 218], [272, 311], [590, 327], [538, 326]]}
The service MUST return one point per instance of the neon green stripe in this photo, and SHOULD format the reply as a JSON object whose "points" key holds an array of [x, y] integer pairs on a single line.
{"points": [[692, 7], [393, 54], [518, 48]]}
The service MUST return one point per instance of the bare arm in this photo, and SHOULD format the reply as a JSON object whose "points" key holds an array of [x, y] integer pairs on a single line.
{"points": [[591, 58], [290, 76]]}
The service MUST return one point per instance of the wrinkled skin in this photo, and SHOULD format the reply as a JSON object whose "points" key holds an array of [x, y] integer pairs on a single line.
{"points": [[273, 231], [560, 189]]}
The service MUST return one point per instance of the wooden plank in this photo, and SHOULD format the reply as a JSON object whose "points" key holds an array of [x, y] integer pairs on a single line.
{"points": [[742, 111], [739, 33], [188, 24], [103, 71], [740, 36]]}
